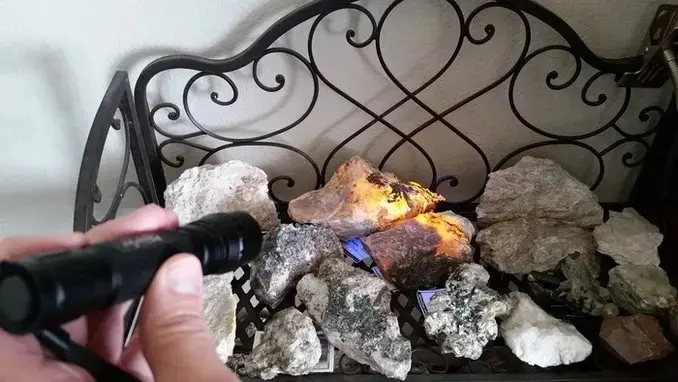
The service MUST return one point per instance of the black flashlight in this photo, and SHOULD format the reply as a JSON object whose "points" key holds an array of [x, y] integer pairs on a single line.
{"points": [[48, 290]]}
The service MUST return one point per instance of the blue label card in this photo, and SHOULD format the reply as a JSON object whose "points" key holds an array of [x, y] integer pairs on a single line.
{"points": [[424, 298], [355, 250]]}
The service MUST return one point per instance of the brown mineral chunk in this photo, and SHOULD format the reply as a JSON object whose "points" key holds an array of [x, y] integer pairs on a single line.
{"points": [[360, 199], [635, 339], [422, 251]]}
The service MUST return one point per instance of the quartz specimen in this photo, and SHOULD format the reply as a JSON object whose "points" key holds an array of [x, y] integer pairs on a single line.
{"points": [[219, 303], [462, 318], [522, 246], [353, 309], [422, 251], [287, 254], [540, 339], [290, 345], [538, 188], [232, 186], [629, 239], [641, 289], [635, 339], [360, 199]]}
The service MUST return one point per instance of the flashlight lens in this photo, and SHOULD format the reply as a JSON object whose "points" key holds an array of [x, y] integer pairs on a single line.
{"points": [[15, 299]]}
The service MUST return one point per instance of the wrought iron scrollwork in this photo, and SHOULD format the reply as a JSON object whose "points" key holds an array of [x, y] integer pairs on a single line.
{"points": [[373, 38], [118, 100]]}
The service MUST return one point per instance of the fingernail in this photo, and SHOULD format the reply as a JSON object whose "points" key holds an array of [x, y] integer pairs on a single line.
{"points": [[185, 275]]}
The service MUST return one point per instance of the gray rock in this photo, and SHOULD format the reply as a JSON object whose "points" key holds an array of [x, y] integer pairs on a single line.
{"points": [[538, 188], [641, 289], [462, 319], [353, 309], [629, 239], [582, 287], [232, 186], [673, 320], [288, 253], [522, 246], [219, 304], [539, 339], [290, 345]]}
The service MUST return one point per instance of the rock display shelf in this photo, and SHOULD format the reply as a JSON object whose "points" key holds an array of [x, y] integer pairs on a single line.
{"points": [[496, 358]]}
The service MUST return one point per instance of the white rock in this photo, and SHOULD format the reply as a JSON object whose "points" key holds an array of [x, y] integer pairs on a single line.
{"points": [[540, 339], [232, 186], [290, 345], [629, 239], [219, 305]]}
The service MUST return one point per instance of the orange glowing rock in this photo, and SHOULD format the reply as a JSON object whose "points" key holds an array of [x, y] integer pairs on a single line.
{"points": [[422, 252], [360, 199]]}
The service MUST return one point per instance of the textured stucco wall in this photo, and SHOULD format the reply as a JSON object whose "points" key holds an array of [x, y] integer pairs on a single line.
{"points": [[56, 60]]}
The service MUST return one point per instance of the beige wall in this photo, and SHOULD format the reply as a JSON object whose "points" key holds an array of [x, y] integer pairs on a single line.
{"points": [[56, 59]]}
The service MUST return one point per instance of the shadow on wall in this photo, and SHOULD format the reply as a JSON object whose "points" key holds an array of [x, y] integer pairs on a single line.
{"points": [[41, 139]]}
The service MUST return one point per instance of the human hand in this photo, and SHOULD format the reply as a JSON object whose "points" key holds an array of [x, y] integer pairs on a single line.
{"points": [[171, 343]]}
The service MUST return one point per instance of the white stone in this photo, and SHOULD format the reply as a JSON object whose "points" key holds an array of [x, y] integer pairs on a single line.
{"points": [[290, 345], [219, 305], [629, 238], [228, 187], [540, 339]]}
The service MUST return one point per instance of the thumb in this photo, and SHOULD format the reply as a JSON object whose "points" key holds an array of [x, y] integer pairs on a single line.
{"points": [[173, 333]]}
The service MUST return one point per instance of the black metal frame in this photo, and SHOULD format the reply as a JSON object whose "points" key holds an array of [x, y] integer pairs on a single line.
{"points": [[138, 123]]}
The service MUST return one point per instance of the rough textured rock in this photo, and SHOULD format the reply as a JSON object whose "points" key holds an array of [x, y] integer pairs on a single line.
{"points": [[673, 320], [219, 303], [462, 319], [287, 254], [525, 245], [629, 239], [353, 309], [540, 339], [290, 345], [635, 339], [641, 289], [360, 199], [232, 186], [538, 188], [422, 251], [582, 287]]}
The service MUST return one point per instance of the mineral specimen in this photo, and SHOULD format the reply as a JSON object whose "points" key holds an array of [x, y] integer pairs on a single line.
{"points": [[673, 320], [635, 339], [582, 287], [219, 305], [629, 239], [422, 251], [540, 339], [641, 289], [360, 199], [462, 319], [522, 246], [233, 186], [289, 345], [353, 309], [287, 254], [538, 188]]}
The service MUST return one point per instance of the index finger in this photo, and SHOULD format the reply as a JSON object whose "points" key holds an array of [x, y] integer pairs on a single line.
{"points": [[17, 247], [147, 219]]}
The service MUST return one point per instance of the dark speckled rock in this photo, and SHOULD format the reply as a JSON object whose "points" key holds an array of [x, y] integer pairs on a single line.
{"points": [[462, 319], [421, 252], [353, 309], [287, 254]]}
